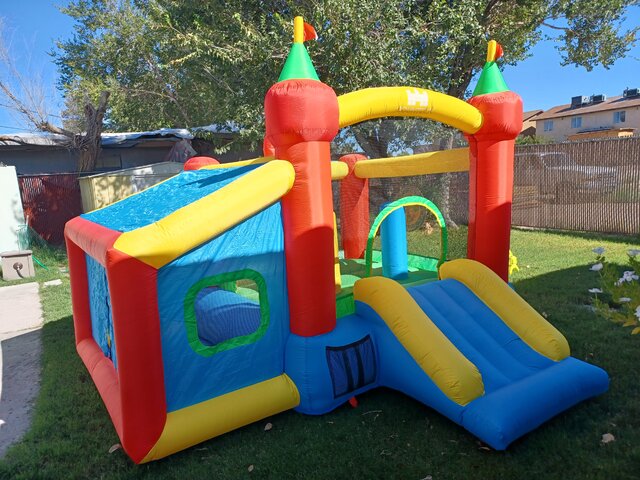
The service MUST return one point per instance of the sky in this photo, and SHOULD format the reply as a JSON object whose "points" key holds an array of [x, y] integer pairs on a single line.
{"points": [[32, 26]]}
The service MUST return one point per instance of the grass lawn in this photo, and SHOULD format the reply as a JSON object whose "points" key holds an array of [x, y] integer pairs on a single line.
{"points": [[55, 266], [388, 435]]}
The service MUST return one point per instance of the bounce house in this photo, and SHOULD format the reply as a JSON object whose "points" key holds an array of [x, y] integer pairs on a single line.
{"points": [[221, 296]]}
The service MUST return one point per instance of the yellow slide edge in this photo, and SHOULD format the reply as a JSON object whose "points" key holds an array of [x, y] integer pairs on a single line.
{"points": [[202, 421], [445, 161], [174, 235], [450, 370], [521, 317]]}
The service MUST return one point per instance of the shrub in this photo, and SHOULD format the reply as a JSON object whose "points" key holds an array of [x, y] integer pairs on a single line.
{"points": [[618, 297]]}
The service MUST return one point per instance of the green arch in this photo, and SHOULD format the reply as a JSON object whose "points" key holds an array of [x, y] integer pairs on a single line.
{"points": [[414, 200]]}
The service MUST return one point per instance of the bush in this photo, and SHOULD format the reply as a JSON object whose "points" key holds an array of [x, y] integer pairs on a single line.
{"points": [[618, 297]]}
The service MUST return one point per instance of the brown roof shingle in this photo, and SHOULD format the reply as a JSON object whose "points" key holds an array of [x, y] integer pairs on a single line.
{"points": [[529, 114], [613, 103]]}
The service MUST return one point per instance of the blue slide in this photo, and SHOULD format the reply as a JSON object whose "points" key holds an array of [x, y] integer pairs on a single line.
{"points": [[487, 360]]}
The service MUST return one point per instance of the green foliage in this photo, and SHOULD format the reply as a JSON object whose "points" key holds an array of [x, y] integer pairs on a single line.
{"points": [[535, 140], [618, 298], [176, 63]]}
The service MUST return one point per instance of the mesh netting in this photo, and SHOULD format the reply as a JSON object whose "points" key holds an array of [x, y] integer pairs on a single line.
{"points": [[450, 193], [414, 242]]}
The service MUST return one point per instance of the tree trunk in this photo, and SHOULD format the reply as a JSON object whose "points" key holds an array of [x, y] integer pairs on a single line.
{"points": [[445, 186], [90, 142], [372, 146]]}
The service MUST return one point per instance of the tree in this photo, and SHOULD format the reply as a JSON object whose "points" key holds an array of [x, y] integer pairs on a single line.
{"points": [[189, 63], [26, 97]]}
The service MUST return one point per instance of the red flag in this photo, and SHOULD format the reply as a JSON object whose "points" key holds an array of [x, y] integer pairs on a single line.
{"points": [[309, 32], [499, 51]]}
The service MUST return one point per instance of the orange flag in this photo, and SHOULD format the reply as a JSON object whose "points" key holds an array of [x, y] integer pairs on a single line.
{"points": [[309, 32]]}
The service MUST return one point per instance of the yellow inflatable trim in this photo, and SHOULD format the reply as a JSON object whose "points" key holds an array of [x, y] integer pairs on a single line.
{"points": [[370, 103], [521, 317], [240, 163], [456, 160], [450, 370], [165, 240], [197, 423], [339, 170]]}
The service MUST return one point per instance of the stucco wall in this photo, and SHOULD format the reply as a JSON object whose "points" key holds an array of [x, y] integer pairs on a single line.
{"points": [[562, 125]]}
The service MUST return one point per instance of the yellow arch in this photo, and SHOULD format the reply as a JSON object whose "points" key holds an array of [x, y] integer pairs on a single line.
{"points": [[413, 201], [370, 103]]}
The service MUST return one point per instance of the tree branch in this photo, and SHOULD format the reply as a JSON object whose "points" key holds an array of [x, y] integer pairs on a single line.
{"points": [[555, 27]]}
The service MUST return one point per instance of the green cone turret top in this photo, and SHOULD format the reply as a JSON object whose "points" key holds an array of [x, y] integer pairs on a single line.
{"points": [[298, 63], [491, 80]]}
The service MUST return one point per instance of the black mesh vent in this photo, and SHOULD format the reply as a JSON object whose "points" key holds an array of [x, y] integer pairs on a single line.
{"points": [[352, 366]]}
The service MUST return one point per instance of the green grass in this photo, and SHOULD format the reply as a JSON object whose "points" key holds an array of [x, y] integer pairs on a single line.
{"points": [[388, 435], [54, 260]]}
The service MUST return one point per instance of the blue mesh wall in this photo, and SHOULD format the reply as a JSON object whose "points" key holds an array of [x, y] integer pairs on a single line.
{"points": [[256, 244], [100, 305]]}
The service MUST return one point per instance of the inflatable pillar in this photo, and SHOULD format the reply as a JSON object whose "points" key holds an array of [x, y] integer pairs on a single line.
{"points": [[196, 163], [354, 209], [393, 235], [491, 167], [301, 120]]}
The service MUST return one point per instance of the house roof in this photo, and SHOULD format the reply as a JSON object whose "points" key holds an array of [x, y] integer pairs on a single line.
{"points": [[118, 139], [124, 139], [32, 139], [612, 103], [528, 115]]}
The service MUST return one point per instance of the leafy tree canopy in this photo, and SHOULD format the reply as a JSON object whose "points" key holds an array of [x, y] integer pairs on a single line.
{"points": [[185, 63]]}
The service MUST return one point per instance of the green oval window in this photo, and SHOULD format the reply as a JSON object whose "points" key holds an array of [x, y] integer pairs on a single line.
{"points": [[226, 311]]}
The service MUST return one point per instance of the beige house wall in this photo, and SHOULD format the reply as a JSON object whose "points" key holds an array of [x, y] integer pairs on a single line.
{"points": [[562, 125]]}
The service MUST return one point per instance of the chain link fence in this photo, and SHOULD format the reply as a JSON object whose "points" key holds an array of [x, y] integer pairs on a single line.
{"points": [[589, 186], [49, 201]]}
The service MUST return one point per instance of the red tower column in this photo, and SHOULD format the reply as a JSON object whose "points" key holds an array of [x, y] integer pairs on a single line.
{"points": [[301, 121], [354, 209], [491, 179]]}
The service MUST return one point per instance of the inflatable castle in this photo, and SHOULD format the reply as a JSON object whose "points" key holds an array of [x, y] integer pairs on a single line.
{"points": [[221, 296]]}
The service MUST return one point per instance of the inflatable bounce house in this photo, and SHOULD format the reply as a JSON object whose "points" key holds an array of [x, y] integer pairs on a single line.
{"points": [[221, 296]]}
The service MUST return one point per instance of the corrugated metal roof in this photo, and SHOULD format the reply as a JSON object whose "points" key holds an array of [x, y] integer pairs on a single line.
{"points": [[120, 138], [34, 139], [114, 139]]}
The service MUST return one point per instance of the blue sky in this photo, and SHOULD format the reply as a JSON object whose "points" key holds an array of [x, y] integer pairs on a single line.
{"points": [[33, 25]]}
